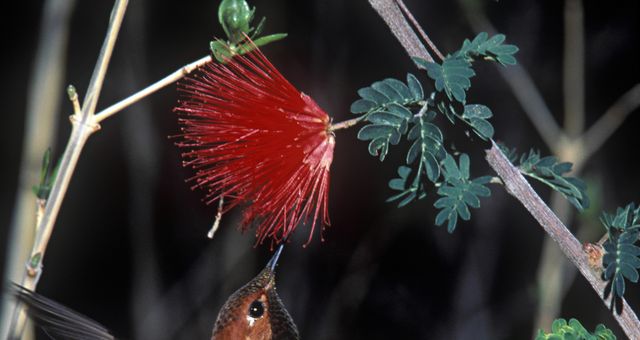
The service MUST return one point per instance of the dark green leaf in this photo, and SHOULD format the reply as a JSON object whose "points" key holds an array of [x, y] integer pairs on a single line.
{"points": [[451, 168], [400, 87], [458, 193], [400, 110], [362, 106], [551, 172], [442, 216], [476, 111], [488, 48], [379, 147], [621, 259], [409, 190], [453, 220], [375, 96], [427, 146], [506, 60], [370, 132], [408, 199], [385, 118], [396, 184], [482, 128], [415, 87], [452, 77], [388, 91]]}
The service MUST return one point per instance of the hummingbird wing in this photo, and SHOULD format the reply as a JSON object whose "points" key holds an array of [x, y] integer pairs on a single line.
{"points": [[58, 321]]}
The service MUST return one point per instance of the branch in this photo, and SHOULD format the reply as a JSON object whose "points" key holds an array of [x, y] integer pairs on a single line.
{"points": [[573, 66], [517, 186], [391, 14], [554, 273], [168, 80], [346, 124], [415, 23], [40, 129], [610, 121], [83, 127]]}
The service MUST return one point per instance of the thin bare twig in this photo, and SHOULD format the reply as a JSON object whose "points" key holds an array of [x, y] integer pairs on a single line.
{"points": [[573, 68], [83, 127], [419, 28], [40, 132], [168, 80], [85, 122], [346, 124], [611, 120], [217, 220]]}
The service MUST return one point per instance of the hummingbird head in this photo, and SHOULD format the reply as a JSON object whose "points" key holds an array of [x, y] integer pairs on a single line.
{"points": [[255, 311]]}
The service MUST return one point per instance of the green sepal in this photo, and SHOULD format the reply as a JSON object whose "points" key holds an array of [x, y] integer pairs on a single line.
{"points": [[267, 39]]}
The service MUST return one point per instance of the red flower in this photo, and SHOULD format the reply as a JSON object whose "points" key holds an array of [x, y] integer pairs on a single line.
{"points": [[255, 140]]}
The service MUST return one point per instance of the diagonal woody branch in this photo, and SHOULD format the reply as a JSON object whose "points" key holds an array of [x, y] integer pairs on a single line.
{"points": [[392, 16], [515, 183], [83, 125], [517, 186]]}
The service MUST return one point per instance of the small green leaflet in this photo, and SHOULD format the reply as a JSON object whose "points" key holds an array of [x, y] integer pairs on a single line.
{"points": [[427, 145], [424, 155], [490, 48], [561, 330], [409, 189], [382, 93], [476, 116], [381, 134], [621, 260], [453, 76], [384, 105], [458, 192], [551, 172]]}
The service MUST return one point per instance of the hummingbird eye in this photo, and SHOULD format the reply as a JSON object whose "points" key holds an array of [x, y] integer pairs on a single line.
{"points": [[256, 310]]}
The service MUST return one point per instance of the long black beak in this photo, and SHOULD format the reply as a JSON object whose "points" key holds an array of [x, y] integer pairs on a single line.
{"points": [[274, 259]]}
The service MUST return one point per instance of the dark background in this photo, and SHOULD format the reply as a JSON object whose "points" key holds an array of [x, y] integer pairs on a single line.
{"points": [[130, 247]]}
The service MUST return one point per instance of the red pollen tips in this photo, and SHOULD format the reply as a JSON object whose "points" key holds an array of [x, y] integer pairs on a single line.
{"points": [[256, 141]]}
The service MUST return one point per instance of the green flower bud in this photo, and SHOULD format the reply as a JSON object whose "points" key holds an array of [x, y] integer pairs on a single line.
{"points": [[235, 16]]}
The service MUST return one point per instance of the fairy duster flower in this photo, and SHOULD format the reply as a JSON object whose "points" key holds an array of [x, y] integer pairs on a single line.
{"points": [[254, 140]]}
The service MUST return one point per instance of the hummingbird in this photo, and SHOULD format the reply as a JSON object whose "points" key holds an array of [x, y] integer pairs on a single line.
{"points": [[253, 312]]}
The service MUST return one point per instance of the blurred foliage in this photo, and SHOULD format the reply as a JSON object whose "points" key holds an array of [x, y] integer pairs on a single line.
{"points": [[621, 260], [47, 177], [573, 330]]}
